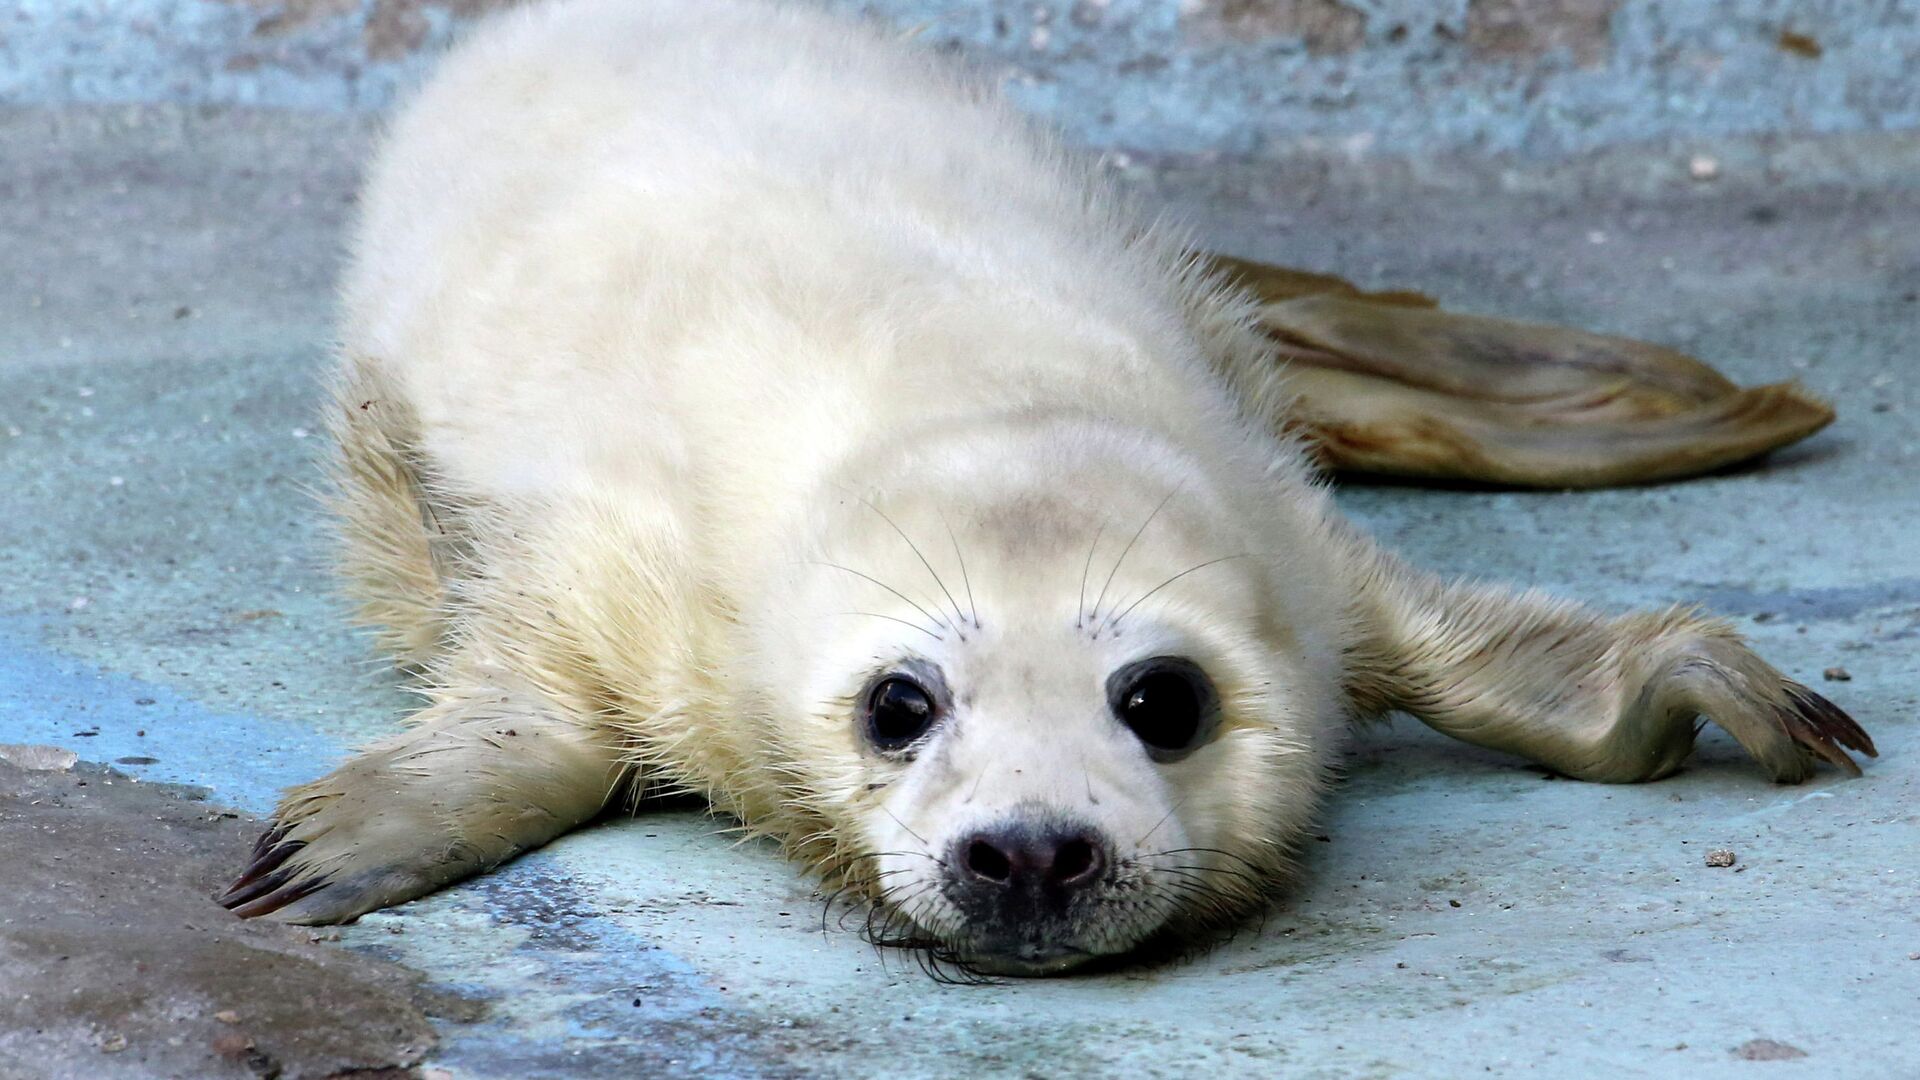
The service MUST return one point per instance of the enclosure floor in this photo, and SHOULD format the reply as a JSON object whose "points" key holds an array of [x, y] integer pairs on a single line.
{"points": [[165, 284]]}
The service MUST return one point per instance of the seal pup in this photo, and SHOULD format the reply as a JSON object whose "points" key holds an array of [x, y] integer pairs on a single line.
{"points": [[739, 401]]}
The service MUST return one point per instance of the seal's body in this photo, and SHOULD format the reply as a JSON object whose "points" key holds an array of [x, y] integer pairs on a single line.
{"points": [[737, 400]]}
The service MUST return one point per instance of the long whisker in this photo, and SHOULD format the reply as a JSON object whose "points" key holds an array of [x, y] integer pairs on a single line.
{"points": [[1248, 869], [1124, 552], [904, 851], [918, 554], [904, 825], [1192, 870], [935, 619], [890, 618], [1080, 609], [1175, 808], [1113, 621], [964, 579], [1241, 859], [975, 789]]}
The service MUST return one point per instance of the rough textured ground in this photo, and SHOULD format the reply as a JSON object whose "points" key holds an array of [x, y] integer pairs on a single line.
{"points": [[1248, 77], [115, 961], [163, 298]]}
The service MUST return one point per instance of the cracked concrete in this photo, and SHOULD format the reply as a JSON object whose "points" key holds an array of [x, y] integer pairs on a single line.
{"points": [[164, 298]]}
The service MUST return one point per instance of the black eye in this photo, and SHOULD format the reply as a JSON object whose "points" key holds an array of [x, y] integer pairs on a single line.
{"points": [[1167, 702], [899, 711]]}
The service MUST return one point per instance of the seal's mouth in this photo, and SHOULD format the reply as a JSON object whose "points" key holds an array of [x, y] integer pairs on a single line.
{"points": [[1035, 950], [1029, 961]]}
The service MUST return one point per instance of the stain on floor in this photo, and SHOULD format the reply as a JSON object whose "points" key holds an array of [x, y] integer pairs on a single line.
{"points": [[115, 960]]}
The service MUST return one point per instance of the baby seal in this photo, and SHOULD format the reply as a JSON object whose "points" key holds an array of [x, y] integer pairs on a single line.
{"points": [[739, 401]]}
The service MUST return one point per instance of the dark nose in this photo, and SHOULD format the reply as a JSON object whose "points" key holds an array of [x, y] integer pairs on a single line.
{"points": [[1026, 858]]}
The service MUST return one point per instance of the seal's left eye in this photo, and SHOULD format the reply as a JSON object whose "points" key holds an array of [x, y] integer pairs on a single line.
{"points": [[1167, 702], [899, 711]]}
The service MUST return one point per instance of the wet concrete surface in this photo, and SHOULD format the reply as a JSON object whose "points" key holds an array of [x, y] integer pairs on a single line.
{"points": [[164, 296], [115, 959]]}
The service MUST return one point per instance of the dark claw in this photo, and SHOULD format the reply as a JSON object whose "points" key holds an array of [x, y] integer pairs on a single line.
{"points": [[1832, 719], [268, 839], [263, 864], [243, 891], [1817, 724], [1808, 734], [274, 901]]}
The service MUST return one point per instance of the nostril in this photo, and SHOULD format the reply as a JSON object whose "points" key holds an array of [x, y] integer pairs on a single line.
{"points": [[1076, 862], [988, 861]]}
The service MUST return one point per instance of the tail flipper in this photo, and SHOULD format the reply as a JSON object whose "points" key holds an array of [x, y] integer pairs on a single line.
{"points": [[1389, 383]]}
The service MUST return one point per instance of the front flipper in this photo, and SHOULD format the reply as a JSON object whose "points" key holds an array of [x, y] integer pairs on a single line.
{"points": [[482, 776], [1609, 699], [1389, 383]]}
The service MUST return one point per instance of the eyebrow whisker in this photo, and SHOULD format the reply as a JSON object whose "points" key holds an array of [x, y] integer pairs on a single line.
{"points": [[1080, 609], [1113, 621], [892, 618], [918, 554], [1124, 552], [931, 617], [964, 579]]}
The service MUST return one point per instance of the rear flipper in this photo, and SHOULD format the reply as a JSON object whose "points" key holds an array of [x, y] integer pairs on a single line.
{"points": [[1388, 383]]}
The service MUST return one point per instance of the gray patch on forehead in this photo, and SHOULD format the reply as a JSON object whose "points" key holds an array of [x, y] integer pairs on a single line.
{"points": [[1039, 523]]}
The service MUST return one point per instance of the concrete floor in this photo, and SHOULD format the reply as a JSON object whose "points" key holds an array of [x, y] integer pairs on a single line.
{"points": [[164, 294]]}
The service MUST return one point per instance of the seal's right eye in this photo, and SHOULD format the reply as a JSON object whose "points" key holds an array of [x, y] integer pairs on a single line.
{"points": [[899, 711]]}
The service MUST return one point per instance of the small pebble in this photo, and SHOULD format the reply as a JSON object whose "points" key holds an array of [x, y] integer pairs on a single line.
{"points": [[232, 1044], [227, 1016], [1837, 674], [1703, 167], [1720, 857]]}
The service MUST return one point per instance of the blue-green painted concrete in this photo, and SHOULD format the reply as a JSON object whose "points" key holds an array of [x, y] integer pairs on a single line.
{"points": [[1242, 77]]}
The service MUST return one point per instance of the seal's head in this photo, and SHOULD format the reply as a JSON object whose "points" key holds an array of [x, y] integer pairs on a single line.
{"points": [[1050, 692]]}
